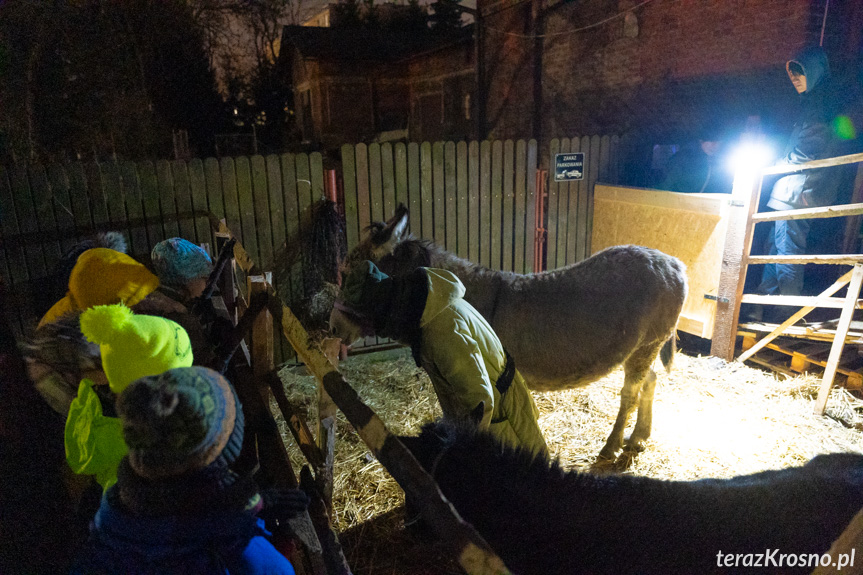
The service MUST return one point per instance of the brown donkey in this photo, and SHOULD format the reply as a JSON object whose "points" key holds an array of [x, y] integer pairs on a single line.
{"points": [[565, 328]]}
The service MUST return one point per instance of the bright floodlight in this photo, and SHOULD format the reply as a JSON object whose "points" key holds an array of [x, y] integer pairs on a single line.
{"points": [[750, 156]]}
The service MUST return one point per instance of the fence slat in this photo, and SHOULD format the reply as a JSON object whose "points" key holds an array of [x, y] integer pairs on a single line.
{"points": [[232, 203], [183, 197], [93, 186], [278, 227], [551, 227], [349, 179], [292, 218], [15, 259], [261, 197], [519, 207], [150, 197], [198, 192], [138, 245], [582, 249], [400, 165], [473, 202], [530, 206], [215, 194], [62, 206], [462, 198], [316, 171], [594, 173], [426, 192], [246, 199], [376, 191], [22, 195], [450, 190], [507, 239], [388, 180], [113, 190], [364, 207], [167, 200], [43, 205], [485, 203], [496, 203], [563, 221], [414, 197], [575, 231], [79, 197], [439, 183]]}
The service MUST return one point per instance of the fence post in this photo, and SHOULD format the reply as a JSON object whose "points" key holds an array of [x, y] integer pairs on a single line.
{"points": [[539, 221]]}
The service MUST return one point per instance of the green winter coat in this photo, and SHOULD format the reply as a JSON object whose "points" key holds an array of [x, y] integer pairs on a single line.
{"points": [[463, 357]]}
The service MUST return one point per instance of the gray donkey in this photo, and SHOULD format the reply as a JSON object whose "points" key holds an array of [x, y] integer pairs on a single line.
{"points": [[565, 328]]}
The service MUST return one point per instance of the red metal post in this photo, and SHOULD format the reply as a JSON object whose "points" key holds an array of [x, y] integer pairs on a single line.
{"points": [[539, 223], [332, 187]]}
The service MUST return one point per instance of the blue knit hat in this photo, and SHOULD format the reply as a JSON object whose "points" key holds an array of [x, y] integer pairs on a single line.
{"points": [[185, 419], [177, 261]]}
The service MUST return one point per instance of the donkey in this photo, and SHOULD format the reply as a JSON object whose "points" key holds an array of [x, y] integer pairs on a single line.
{"points": [[544, 520], [565, 328]]}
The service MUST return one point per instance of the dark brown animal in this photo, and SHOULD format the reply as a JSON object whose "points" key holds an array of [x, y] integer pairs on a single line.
{"points": [[565, 328]]}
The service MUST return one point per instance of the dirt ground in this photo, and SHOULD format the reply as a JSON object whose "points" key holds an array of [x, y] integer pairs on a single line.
{"points": [[711, 419]]}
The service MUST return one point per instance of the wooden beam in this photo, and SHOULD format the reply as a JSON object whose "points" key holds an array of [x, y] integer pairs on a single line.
{"points": [[799, 301], [326, 431], [839, 342], [851, 241], [262, 330], [814, 164], [837, 285], [831, 259], [810, 213]]}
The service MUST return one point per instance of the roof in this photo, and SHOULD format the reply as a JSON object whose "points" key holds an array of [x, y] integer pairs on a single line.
{"points": [[361, 44]]}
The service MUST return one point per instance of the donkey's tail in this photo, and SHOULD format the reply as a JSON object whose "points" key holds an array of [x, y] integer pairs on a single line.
{"points": [[666, 354]]}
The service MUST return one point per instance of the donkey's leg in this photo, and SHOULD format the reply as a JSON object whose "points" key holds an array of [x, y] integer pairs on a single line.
{"points": [[645, 414], [636, 367]]}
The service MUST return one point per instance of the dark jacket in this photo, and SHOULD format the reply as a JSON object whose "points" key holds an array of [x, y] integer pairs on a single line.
{"points": [[691, 171], [811, 139], [219, 543]]}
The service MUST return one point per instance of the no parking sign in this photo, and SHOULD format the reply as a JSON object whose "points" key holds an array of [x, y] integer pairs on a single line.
{"points": [[568, 167]]}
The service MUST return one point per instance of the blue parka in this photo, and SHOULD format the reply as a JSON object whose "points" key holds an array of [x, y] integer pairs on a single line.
{"points": [[223, 543]]}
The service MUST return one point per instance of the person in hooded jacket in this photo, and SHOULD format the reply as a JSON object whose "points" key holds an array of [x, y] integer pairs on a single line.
{"points": [[451, 341], [811, 139]]}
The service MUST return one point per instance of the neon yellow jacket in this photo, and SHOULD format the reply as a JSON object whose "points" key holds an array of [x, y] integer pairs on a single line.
{"points": [[94, 442], [464, 357]]}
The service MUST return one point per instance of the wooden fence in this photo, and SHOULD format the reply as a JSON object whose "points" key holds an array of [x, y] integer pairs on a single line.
{"points": [[475, 198]]}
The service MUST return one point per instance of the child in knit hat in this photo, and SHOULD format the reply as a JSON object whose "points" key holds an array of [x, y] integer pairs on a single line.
{"points": [[178, 507], [182, 266], [131, 346]]}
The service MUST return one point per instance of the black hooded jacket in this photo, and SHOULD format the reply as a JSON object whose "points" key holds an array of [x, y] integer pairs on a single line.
{"points": [[811, 139]]}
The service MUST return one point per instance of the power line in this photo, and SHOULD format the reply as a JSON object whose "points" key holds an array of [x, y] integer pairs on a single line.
{"points": [[576, 30]]}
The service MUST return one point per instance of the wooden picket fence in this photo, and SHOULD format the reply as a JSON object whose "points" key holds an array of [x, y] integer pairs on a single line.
{"points": [[477, 199]]}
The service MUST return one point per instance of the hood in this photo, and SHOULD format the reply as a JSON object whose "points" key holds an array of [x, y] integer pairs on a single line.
{"points": [[444, 289], [815, 66], [155, 539]]}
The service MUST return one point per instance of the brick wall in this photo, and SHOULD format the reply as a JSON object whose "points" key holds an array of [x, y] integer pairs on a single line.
{"points": [[665, 70]]}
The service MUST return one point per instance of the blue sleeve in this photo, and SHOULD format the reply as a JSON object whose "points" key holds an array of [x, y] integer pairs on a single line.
{"points": [[261, 558]]}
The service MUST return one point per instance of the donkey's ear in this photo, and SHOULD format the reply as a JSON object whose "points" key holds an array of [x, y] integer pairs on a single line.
{"points": [[477, 413], [399, 222], [392, 232]]}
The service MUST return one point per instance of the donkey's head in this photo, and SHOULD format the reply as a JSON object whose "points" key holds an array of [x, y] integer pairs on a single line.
{"points": [[440, 435], [381, 240]]}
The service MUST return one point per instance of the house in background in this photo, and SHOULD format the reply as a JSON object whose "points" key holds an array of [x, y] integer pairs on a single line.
{"points": [[360, 84]]}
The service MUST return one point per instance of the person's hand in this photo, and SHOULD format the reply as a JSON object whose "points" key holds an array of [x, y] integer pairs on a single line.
{"points": [[280, 505]]}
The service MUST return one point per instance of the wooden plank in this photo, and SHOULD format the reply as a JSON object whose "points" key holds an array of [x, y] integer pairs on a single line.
{"points": [[830, 259], [604, 159], [400, 165], [263, 226], [316, 171], [229, 195], [591, 183], [15, 258], [167, 201], [810, 213], [426, 214], [564, 224], [376, 191], [23, 198], [798, 301], [814, 164], [277, 225], [305, 190], [292, 216], [349, 178], [530, 206], [183, 197], [520, 238], [198, 193], [96, 194], [439, 184], [150, 199], [451, 194], [576, 242], [113, 190], [133, 202], [43, 204], [388, 181], [614, 160], [59, 182], [485, 203], [507, 225], [414, 194], [462, 198], [364, 200], [553, 192], [496, 202], [79, 197], [473, 202], [246, 199], [215, 195], [839, 341]]}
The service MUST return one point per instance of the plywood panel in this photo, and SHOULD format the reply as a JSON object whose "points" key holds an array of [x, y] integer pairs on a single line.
{"points": [[688, 226]]}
